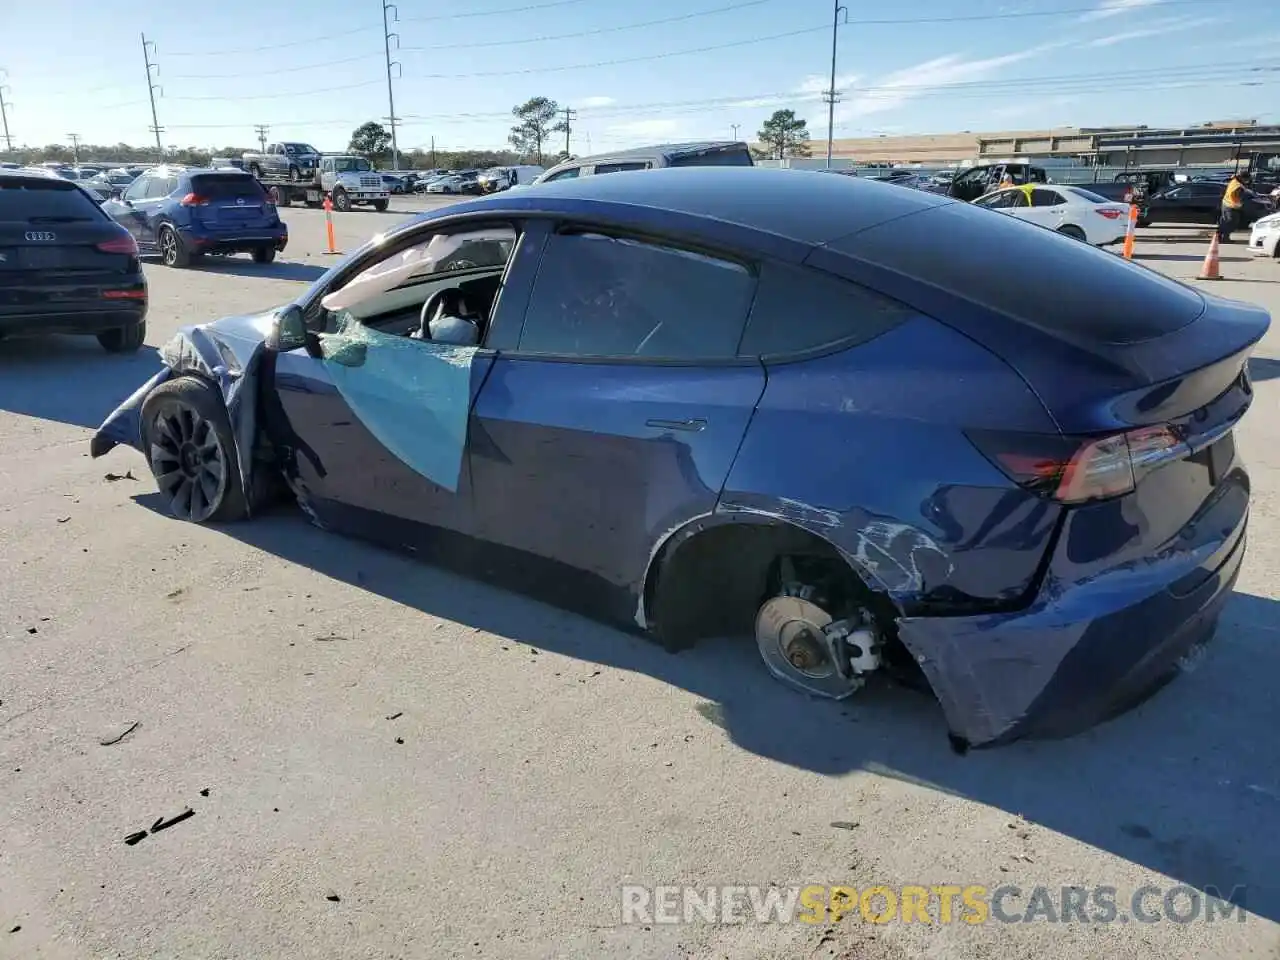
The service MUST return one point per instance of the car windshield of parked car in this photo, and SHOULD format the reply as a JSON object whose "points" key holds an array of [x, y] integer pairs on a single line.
{"points": [[442, 253], [299, 148], [351, 165]]}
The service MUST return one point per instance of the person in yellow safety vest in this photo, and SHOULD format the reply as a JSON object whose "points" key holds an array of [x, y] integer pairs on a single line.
{"points": [[1232, 205]]}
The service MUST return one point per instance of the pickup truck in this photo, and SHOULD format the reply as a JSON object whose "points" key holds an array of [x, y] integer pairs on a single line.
{"points": [[295, 162], [1138, 183]]}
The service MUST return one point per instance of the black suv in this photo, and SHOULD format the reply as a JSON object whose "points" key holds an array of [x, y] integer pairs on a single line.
{"points": [[65, 267]]}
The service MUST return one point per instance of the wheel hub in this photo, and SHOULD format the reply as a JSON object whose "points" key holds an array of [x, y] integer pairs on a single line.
{"points": [[189, 459], [791, 636]]}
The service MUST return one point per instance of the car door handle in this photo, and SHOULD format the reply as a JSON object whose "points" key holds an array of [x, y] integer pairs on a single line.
{"points": [[692, 426]]}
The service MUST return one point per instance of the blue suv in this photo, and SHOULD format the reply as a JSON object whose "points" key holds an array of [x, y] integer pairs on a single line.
{"points": [[181, 214]]}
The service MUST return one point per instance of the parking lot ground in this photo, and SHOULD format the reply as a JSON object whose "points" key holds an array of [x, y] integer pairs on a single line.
{"points": [[384, 760]]}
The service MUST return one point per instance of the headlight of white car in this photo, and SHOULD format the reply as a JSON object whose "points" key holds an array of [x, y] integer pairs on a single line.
{"points": [[1269, 222]]}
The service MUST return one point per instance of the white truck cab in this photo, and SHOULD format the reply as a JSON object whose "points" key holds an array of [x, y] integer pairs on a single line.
{"points": [[352, 180]]}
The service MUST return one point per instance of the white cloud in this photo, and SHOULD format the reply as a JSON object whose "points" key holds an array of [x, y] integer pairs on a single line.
{"points": [[1155, 30], [1113, 8], [596, 102], [897, 88]]}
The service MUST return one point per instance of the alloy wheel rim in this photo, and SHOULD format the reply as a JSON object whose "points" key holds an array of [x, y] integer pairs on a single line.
{"points": [[169, 247], [188, 462]]}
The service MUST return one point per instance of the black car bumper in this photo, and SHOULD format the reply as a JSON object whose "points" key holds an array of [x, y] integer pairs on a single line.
{"points": [[236, 243], [88, 319]]}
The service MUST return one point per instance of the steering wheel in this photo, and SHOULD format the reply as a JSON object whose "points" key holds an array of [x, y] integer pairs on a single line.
{"points": [[432, 308], [462, 265]]}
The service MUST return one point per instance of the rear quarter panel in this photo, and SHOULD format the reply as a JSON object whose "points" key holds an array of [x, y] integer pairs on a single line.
{"points": [[866, 449]]}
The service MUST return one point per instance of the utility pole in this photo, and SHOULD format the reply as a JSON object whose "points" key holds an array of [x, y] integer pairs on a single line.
{"points": [[734, 128], [387, 37], [75, 147], [262, 129], [830, 95], [433, 153], [5, 107], [147, 50], [569, 117]]}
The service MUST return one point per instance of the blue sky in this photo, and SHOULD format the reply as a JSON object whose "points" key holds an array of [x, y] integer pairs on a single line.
{"points": [[636, 73]]}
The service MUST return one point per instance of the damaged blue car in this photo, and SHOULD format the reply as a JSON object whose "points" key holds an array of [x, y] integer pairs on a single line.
{"points": [[881, 431]]}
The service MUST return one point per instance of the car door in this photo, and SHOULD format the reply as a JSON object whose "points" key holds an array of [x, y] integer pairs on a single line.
{"points": [[126, 212], [1048, 208], [150, 208], [617, 415], [373, 422]]}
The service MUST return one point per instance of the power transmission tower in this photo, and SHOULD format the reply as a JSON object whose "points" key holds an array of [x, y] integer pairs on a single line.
{"points": [[387, 37], [147, 50], [75, 147], [569, 117], [262, 129], [5, 107]]}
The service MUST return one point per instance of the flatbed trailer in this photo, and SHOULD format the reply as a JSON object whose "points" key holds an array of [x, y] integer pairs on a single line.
{"points": [[283, 193], [349, 188]]}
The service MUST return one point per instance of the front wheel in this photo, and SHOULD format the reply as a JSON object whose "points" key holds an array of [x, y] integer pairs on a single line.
{"points": [[191, 451], [264, 254], [294, 175], [380, 206], [255, 171], [124, 339], [341, 201]]}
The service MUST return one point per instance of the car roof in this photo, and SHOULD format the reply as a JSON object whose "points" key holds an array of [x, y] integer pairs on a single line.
{"points": [[798, 205], [659, 150]]}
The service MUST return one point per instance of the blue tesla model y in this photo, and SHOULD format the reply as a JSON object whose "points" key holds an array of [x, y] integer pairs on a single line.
{"points": [[880, 430]]}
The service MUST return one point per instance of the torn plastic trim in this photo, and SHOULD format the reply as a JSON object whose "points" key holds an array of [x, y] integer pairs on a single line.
{"points": [[228, 362]]}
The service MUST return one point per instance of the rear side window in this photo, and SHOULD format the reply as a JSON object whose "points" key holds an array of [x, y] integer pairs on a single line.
{"points": [[621, 167], [798, 310], [564, 175], [159, 187], [30, 200], [601, 296], [735, 156], [227, 186], [1082, 293], [1089, 195], [1046, 198]]}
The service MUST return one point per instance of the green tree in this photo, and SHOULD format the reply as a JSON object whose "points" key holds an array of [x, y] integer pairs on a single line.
{"points": [[370, 140], [536, 123], [785, 134]]}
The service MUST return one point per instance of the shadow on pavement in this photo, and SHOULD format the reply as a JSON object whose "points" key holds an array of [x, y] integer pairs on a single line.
{"points": [[245, 267], [1263, 368], [69, 379], [1187, 784], [1186, 257]]}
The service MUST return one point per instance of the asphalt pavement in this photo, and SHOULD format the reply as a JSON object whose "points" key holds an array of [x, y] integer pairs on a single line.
{"points": [[386, 761]]}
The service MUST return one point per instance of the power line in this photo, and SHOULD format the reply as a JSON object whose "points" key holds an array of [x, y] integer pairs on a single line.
{"points": [[223, 98], [325, 64], [681, 18], [1062, 83], [503, 11]]}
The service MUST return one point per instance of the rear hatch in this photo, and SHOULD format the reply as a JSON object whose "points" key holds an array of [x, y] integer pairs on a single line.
{"points": [[57, 248], [231, 201], [1144, 376]]}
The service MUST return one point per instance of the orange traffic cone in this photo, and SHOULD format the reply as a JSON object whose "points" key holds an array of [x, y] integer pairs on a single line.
{"points": [[1209, 271]]}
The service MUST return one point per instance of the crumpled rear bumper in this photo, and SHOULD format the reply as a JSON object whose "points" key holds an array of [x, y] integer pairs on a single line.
{"points": [[1047, 672]]}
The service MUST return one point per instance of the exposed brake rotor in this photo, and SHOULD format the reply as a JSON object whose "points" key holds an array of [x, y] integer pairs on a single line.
{"points": [[792, 634]]}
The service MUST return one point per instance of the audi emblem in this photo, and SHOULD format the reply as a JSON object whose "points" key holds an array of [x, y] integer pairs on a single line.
{"points": [[239, 201], [40, 236]]}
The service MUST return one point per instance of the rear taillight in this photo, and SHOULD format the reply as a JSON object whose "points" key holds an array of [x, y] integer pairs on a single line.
{"points": [[1112, 214], [194, 200], [138, 293], [125, 244], [1081, 469]]}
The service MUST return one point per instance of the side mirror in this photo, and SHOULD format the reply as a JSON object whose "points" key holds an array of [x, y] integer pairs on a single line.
{"points": [[288, 330]]}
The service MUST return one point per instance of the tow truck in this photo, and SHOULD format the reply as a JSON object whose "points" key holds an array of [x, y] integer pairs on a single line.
{"points": [[346, 180]]}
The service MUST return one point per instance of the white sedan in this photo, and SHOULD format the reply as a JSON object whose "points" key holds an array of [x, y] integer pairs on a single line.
{"points": [[1072, 211], [1264, 239]]}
